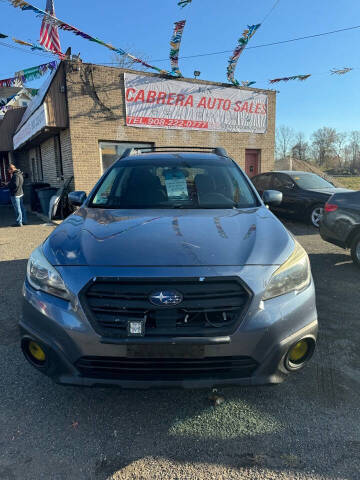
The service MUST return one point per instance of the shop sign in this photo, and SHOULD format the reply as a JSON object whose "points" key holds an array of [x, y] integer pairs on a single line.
{"points": [[154, 102], [33, 125]]}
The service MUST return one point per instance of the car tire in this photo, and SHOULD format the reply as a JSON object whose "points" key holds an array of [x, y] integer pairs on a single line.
{"points": [[355, 250], [315, 214]]}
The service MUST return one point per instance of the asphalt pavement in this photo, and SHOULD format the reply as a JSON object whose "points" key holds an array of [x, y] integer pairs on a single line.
{"points": [[306, 428]]}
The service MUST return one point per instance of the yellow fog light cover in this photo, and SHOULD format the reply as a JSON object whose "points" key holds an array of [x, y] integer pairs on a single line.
{"points": [[299, 351], [36, 351]]}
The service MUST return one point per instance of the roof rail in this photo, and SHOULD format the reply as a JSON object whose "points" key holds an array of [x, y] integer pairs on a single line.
{"points": [[127, 153], [135, 150], [220, 151]]}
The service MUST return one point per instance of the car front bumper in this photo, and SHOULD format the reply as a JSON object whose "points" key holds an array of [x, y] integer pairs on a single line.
{"points": [[265, 335]]}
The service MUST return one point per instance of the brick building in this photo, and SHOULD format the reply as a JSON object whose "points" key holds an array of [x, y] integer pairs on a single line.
{"points": [[77, 126]]}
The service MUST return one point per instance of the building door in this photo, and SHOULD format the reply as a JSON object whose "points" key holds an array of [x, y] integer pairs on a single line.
{"points": [[252, 162]]}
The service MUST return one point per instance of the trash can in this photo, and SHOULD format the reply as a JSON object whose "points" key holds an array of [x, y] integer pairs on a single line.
{"points": [[27, 188], [30, 195], [44, 195], [4, 196]]}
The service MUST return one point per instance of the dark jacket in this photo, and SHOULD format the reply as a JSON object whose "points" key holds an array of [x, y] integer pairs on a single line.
{"points": [[16, 184]]}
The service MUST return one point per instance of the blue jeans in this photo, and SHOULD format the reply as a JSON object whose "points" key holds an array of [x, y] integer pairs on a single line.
{"points": [[20, 212]]}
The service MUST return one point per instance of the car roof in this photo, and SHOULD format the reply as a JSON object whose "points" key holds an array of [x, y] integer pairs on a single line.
{"points": [[156, 156], [294, 172]]}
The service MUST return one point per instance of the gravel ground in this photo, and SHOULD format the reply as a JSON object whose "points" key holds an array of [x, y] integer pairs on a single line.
{"points": [[306, 428]]}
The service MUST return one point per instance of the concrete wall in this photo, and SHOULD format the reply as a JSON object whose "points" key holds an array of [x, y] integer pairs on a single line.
{"points": [[97, 113]]}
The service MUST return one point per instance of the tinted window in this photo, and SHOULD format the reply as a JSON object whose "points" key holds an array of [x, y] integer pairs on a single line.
{"points": [[174, 184], [262, 182], [282, 181], [311, 180]]}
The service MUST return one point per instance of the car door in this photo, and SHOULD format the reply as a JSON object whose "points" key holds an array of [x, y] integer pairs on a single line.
{"points": [[291, 204]]}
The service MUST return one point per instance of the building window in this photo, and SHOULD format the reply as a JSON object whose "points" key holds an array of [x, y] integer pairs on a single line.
{"points": [[112, 151]]}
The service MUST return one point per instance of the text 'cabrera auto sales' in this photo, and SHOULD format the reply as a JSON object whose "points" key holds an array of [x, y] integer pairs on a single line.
{"points": [[159, 103]]}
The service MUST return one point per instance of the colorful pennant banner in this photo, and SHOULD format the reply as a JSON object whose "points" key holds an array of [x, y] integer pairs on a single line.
{"points": [[5, 101], [10, 82], [4, 107], [175, 47], [340, 71], [69, 28], [242, 42], [294, 77], [34, 46], [183, 3], [247, 84], [28, 74]]}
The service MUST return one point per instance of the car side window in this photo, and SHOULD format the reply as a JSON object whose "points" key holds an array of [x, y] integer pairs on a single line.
{"points": [[103, 194], [257, 181], [282, 181], [262, 182]]}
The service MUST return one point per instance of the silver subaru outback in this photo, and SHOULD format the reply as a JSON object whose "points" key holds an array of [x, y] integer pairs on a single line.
{"points": [[172, 272]]}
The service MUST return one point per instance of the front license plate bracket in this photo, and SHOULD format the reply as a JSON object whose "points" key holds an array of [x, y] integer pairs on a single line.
{"points": [[165, 351]]}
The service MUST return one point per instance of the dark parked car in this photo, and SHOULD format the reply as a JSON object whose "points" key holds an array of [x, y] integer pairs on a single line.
{"points": [[340, 223], [171, 273], [304, 193]]}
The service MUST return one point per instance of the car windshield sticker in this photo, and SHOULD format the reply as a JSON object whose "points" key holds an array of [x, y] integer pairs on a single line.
{"points": [[176, 185]]}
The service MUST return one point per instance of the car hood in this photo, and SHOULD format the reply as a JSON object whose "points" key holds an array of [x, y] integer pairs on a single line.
{"points": [[329, 191], [169, 238]]}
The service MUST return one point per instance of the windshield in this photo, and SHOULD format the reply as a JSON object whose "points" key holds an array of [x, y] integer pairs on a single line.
{"points": [[311, 180], [174, 183]]}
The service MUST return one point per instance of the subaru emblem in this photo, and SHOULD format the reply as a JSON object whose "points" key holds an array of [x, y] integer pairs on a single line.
{"points": [[166, 297]]}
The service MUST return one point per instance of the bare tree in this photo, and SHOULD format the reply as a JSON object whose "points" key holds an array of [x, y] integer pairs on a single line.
{"points": [[323, 144], [340, 148], [354, 147], [300, 150], [124, 61], [284, 141]]}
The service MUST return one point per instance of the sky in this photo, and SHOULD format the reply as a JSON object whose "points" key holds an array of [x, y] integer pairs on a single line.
{"points": [[144, 28]]}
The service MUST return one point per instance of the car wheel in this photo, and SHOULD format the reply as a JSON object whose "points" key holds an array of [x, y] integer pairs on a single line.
{"points": [[355, 250], [316, 212]]}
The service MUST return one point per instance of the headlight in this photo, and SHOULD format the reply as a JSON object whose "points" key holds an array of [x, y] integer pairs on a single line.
{"points": [[293, 275], [43, 276]]}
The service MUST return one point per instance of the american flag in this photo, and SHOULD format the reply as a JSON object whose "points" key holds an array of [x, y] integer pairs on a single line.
{"points": [[49, 35]]}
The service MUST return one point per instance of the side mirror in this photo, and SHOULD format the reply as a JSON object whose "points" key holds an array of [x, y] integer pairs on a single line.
{"points": [[272, 197], [77, 198]]}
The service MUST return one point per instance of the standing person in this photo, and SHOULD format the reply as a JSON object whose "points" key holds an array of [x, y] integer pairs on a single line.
{"points": [[16, 192]]}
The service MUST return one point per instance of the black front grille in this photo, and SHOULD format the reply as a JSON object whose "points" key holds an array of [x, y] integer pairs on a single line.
{"points": [[210, 306], [166, 368]]}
